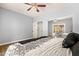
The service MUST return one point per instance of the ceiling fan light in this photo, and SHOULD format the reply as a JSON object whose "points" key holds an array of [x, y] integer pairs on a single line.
{"points": [[35, 5]]}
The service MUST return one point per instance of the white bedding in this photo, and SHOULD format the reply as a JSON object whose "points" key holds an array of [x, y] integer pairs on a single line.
{"points": [[52, 47]]}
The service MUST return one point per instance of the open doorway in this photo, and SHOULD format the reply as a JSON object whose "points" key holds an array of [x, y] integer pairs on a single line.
{"points": [[50, 28]]}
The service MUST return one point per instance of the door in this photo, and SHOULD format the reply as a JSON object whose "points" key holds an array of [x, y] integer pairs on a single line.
{"points": [[39, 28]]}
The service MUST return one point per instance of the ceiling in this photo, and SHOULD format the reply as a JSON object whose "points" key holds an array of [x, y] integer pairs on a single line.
{"points": [[22, 8]]}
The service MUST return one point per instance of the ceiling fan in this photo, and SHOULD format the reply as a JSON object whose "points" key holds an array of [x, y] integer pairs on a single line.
{"points": [[35, 5]]}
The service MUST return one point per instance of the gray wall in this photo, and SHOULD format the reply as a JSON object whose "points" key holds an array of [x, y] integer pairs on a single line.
{"points": [[14, 26], [69, 9], [68, 24]]}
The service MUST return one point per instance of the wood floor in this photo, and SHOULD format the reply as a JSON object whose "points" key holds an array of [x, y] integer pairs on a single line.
{"points": [[3, 49]]}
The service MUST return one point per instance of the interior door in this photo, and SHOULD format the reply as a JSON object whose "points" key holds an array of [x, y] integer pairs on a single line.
{"points": [[39, 28]]}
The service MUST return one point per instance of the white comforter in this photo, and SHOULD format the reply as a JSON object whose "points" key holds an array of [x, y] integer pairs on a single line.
{"points": [[52, 47]]}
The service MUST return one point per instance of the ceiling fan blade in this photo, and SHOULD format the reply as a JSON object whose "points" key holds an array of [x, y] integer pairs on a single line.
{"points": [[37, 9], [41, 5], [28, 3], [29, 8]]}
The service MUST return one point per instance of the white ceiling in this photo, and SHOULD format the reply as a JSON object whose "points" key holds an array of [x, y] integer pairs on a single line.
{"points": [[22, 8]]}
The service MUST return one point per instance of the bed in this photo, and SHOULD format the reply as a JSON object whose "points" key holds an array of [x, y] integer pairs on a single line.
{"points": [[52, 47]]}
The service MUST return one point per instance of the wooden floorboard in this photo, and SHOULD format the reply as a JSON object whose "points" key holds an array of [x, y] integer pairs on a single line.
{"points": [[3, 49]]}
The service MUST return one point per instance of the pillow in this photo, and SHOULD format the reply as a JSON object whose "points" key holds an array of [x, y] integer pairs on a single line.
{"points": [[15, 49], [60, 35]]}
